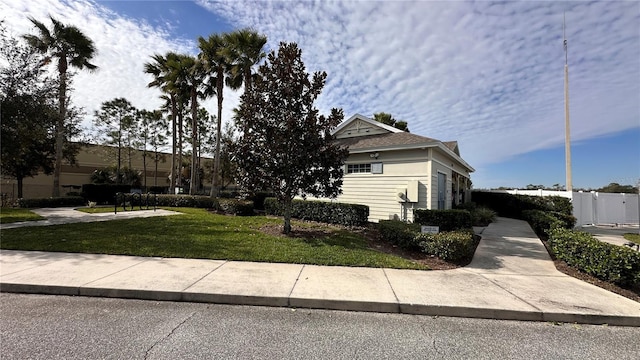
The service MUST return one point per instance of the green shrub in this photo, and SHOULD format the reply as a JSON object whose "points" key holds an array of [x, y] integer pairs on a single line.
{"points": [[482, 216], [236, 207], [399, 233], [453, 246], [544, 221], [447, 220], [158, 189], [51, 202], [103, 193], [322, 211], [605, 261], [194, 201], [512, 206]]}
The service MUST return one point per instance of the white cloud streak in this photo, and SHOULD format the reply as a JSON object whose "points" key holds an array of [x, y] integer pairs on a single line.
{"points": [[489, 75]]}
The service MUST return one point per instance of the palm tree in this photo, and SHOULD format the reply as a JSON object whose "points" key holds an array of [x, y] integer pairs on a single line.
{"points": [[165, 79], [244, 50], [70, 47], [219, 68]]}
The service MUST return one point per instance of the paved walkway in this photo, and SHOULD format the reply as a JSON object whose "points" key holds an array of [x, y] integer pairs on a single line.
{"points": [[68, 215], [511, 277]]}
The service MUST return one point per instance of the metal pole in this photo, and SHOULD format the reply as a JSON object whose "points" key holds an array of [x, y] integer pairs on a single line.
{"points": [[567, 126]]}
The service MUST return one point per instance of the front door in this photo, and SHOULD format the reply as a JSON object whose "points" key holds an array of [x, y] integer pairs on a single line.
{"points": [[442, 190]]}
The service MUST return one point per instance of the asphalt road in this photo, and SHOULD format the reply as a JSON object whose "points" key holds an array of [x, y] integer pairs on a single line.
{"points": [[60, 327]]}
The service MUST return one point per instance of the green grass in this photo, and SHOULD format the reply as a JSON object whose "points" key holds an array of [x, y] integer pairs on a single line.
{"points": [[634, 238], [199, 234], [11, 215]]}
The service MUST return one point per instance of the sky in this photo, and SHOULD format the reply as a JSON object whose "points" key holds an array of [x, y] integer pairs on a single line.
{"points": [[487, 74]]}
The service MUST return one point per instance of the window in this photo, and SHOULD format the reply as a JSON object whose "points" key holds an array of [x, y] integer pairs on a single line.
{"points": [[358, 168]]}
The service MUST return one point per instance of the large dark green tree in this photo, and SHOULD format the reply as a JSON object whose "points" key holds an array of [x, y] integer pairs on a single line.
{"points": [[287, 145], [69, 47], [388, 119]]}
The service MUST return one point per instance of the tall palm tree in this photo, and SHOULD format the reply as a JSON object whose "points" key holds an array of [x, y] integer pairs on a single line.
{"points": [[165, 78], [245, 48], [189, 77], [69, 46], [219, 68]]}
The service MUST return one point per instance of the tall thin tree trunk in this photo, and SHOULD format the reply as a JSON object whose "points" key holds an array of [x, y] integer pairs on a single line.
{"points": [[62, 110], [172, 183], [144, 167], [194, 141], [118, 169], [19, 178], [287, 216], [216, 161], [155, 172], [180, 131]]}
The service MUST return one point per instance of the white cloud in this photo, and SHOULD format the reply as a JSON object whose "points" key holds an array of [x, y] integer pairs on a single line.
{"points": [[489, 75], [123, 46]]}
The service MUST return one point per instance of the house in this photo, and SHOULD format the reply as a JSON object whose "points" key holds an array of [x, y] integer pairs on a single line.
{"points": [[394, 172]]}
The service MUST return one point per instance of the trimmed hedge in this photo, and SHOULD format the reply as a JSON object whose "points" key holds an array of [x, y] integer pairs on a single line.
{"points": [[194, 201], [451, 246], [51, 202], [236, 207], [447, 220], [103, 193], [512, 206], [605, 261], [322, 211], [399, 233], [544, 221]]}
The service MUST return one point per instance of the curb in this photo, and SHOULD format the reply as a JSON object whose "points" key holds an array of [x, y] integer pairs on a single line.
{"points": [[325, 304]]}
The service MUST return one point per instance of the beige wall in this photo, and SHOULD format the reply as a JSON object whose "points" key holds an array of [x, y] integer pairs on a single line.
{"points": [[379, 191], [88, 160]]}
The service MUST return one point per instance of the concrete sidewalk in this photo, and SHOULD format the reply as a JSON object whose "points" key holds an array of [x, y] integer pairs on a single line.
{"points": [[511, 277], [69, 215]]}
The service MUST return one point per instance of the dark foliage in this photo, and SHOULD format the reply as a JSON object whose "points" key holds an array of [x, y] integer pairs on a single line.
{"points": [[322, 211], [51, 202], [447, 220], [512, 206], [399, 233]]}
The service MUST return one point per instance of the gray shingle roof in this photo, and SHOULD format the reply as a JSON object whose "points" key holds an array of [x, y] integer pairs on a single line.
{"points": [[384, 140]]}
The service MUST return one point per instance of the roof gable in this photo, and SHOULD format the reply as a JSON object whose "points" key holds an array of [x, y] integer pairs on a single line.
{"points": [[359, 125]]}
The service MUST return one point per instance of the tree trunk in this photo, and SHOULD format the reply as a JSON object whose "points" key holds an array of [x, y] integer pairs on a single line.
{"points": [[144, 167], [155, 171], [180, 131], [287, 217], [62, 110], [172, 183], [216, 160], [194, 141], [19, 178]]}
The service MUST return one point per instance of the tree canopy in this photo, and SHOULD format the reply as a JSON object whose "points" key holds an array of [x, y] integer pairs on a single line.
{"points": [[286, 146], [388, 119]]}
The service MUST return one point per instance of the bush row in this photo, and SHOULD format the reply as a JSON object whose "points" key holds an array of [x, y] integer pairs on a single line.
{"points": [[512, 206], [51, 202], [322, 211], [236, 207], [447, 220], [543, 221], [399, 233], [451, 246], [605, 261]]}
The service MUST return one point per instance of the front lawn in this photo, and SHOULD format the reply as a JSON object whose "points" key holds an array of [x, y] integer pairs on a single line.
{"points": [[634, 238], [11, 215], [200, 234]]}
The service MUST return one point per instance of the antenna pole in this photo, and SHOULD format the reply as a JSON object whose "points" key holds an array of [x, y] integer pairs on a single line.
{"points": [[567, 126]]}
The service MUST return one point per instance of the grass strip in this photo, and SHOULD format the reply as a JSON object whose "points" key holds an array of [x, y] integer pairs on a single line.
{"points": [[11, 215], [200, 234]]}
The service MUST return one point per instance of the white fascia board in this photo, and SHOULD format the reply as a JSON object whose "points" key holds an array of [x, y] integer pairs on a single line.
{"points": [[367, 120]]}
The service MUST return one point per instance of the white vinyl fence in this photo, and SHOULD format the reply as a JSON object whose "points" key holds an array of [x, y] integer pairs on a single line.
{"points": [[593, 208]]}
